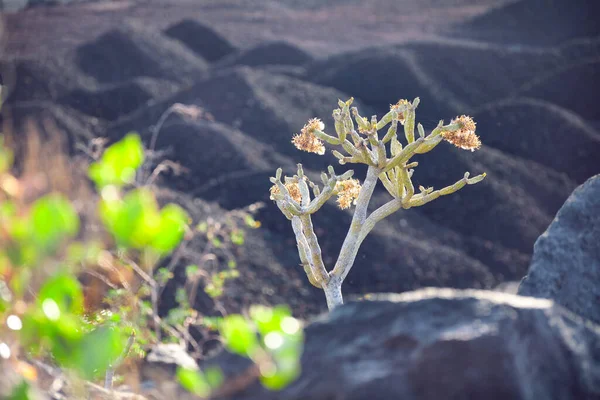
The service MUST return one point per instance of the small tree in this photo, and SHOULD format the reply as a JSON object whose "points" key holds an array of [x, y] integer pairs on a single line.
{"points": [[293, 196]]}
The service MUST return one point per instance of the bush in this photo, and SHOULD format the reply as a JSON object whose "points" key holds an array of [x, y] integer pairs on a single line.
{"points": [[293, 194], [49, 246]]}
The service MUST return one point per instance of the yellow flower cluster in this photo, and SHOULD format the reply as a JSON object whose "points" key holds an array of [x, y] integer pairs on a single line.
{"points": [[347, 191], [400, 107], [307, 140], [464, 137], [292, 188]]}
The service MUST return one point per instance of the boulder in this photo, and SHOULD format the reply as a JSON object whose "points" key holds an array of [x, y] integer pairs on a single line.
{"points": [[533, 22], [269, 53], [566, 259], [201, 39], [445, 344], [542, 132], [133, 51]]}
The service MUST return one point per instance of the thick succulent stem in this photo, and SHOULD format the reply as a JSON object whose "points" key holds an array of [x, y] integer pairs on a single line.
{"points": [[314, 256], [333, 293], [351, 243], [303, 251]]}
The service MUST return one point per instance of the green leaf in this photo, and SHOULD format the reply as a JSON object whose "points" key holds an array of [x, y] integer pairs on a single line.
{"points": [[214, 377], [65, 290], [269, 319], [251, 222], [119, 162], [191, 271], [239, 335], [97, 351], [280, 378], [173, 220], [20, 391], [193, 381], [282, 338], [237, 237], [133, 221], [52, 220]]}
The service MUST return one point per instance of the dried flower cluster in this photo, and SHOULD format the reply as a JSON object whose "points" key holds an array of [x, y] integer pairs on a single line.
{"points": [[400, 106], [347, 192], [465, 137], [292, 188], [307, 140]]}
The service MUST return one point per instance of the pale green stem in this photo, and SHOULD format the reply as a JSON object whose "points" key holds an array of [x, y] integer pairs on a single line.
{"points": [[314, 255], [350, 246], [303, 251], [404, 155]]}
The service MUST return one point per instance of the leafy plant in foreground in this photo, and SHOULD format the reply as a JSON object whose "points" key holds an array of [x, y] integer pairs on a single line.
{"points": [[45, 311]]}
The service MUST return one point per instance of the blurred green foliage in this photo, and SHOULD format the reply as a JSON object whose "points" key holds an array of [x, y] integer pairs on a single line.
{"points": [[42, 302], [271, 337]]}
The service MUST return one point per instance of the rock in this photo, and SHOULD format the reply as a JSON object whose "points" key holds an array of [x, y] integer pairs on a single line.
{"points": [[158, 372], [542, 132], [566, 258], [111, 102], [534, 22], [41, 78], [133, 51], [201, 39], [382, 76], [162, 361], [446, 344], [270, 53], [571, 87]]}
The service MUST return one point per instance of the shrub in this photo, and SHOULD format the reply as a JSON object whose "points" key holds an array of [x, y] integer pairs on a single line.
{"points": [[49, 246], [293, 194]]}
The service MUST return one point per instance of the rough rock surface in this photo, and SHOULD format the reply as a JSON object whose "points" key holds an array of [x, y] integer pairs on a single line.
{"points": [[566, 258], [133, 51], [446, 344], [201, 39], [534, 22], [270, 53]]}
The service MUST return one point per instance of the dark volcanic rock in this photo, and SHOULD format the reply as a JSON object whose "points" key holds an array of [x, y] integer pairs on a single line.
{"points": [[571, 87], [268, 107], [566, 258], [270, 53], [544, 133], [52, 118], [382, 76], [226, 154], [44, 78], [512, 206], [133, 51], [114, 101], [201, 39], [450, 77], [534, 22], [445, 344]]}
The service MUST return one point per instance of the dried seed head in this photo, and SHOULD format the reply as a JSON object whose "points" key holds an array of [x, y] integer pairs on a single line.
{"points": [[465, 136], [307, 140], [347, 191], [400, 107], [292, 188]]}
